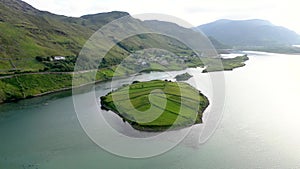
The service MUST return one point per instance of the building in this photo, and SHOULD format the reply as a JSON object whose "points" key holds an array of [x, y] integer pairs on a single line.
{"points": [[59, 58]]}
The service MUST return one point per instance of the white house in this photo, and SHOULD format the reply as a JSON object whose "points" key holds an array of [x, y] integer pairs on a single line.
{"points": [[59, 58]]}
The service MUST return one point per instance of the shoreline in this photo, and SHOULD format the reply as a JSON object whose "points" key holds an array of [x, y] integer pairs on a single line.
{"points": [[100, 81], [57, 91], [158, 128]]}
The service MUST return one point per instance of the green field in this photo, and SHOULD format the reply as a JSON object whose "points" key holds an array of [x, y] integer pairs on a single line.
{"points": [[157, 105]]}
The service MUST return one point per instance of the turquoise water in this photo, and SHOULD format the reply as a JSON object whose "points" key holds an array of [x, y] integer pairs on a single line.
{"points": [[259, 128]]}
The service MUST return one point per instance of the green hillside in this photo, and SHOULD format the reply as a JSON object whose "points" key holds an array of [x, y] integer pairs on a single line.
{"points": [[27, 33], [31, 39]]}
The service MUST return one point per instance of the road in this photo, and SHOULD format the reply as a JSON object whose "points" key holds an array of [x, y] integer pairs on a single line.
{"points": [[46, 73]]}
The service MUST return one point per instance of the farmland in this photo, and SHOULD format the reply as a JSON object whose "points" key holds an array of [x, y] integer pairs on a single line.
{"points": [[157, 105]]}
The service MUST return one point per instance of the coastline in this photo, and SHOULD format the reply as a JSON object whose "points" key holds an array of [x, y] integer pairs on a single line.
{"points": [[162, 127], [16, 99], [152, 129], [58, 90]]}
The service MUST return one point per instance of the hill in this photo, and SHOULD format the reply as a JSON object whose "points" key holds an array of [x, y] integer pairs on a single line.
{"points": [[27, 32], [250, 33], [194, 38], [38, 50]]}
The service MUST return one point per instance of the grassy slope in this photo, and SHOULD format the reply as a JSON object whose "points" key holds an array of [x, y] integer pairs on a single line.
{"points": [[30, 85], [179, 96], [27, 32], [25, 86]]}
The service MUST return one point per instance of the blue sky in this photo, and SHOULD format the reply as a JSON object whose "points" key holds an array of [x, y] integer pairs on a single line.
{"points": [[283, 13]]}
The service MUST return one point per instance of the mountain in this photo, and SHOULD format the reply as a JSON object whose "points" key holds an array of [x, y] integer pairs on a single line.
{"points": [[217, 44], [27, 33], [38, 49], [247, 33], [189, 36]]}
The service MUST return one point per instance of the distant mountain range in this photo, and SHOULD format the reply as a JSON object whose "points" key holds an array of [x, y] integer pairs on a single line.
{"points": [[249, 33]]}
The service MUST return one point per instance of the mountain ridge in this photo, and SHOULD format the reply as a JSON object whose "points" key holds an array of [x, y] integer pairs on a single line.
{"points": [[253, 32], [27, 32], [31, 40]]}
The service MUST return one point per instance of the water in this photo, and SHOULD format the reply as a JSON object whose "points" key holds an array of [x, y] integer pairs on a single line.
{"points": [[259, 128]]}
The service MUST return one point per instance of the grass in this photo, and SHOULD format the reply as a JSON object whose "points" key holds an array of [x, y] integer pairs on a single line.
{"points": [[26, 86], [5, 65], [28, 65], [157, 105]]}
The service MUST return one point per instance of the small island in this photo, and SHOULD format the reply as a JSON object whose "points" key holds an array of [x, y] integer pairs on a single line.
{"points": [[183, 77], [157, 105]]}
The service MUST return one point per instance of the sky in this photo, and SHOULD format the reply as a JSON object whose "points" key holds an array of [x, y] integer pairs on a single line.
{"points": [[196, 12]]}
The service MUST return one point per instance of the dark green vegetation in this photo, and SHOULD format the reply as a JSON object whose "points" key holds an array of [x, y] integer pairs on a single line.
{"points": [[50, 64], [183, 77], [253, 35], [142, 105], [26, 86]]}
